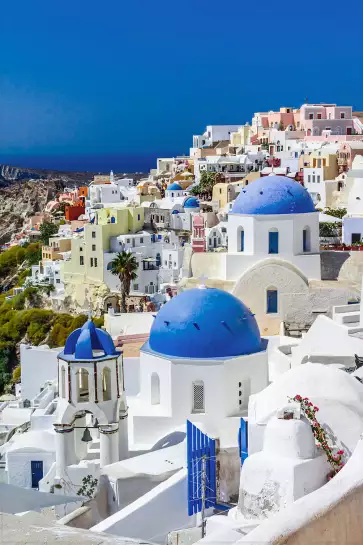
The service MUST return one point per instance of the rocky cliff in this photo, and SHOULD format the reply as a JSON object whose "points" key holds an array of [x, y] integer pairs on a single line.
{"points": [[18, 201]]}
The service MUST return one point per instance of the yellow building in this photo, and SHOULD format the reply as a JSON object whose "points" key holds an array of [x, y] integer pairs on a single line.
{"points": [[57, 245], [86, 266], [241, 137], [223, 193], [321, 159]]}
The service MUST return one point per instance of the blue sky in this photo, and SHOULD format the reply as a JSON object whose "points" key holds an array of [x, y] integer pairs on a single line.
{"points": [[86, 84]]}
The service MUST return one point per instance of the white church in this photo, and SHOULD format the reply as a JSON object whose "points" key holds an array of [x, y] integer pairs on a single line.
{"points": [[273, 259]]}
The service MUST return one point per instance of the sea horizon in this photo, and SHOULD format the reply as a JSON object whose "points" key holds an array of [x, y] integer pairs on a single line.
{"points": [[119, 163]]}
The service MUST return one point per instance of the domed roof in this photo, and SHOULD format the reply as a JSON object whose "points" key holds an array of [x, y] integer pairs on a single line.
{"points": [[204, 323], [88, 343], [273, 195], [191, 202], [174, 187]]}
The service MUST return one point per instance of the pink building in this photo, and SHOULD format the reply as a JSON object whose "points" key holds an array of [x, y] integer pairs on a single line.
{"points": [[346, 154], [198, 236], [325, 119], [286, 118]]}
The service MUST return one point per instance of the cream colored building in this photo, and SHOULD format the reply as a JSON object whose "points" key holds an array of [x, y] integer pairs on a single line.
{"points": [[83, 274], [241, 137]]}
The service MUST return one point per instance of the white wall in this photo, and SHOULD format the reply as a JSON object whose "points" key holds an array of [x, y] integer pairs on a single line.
{"points": [[350, 226], [38, 364], [19, 465]]}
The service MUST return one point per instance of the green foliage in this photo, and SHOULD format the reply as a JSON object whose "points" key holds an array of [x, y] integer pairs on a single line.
{"points": [[47, 229], [23, 275], [125, 266], [63, 325], [16, 374], [13, 258], [88, 488], [327, 229], [336, 212], [99, 322]]}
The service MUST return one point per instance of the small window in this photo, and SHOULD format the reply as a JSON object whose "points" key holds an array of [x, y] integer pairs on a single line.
{"points": [[273, 242], [81, 260], [93, 247], [318, 179], [342, 115], [242, 241], [93, 234], [95, 261], [136, 287], [138, 217], [309, 178], [81, 249], [91, 261], [272, 302], [198, 397], [58, 281], [311, 116], [141, 240], [319, 116], [155, 389]]}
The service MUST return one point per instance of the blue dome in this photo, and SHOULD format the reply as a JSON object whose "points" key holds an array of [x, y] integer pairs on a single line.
{"points": [[204, 323], [273, 195], [174, 187], [191, 202], [88, 343]]}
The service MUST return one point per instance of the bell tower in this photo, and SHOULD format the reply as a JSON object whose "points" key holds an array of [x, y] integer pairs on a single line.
{"points": [[90, 375]]}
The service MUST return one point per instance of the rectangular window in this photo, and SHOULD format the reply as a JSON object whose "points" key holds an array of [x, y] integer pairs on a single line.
{"points": [[93, 247], [58, 281], [342, 115], [273, 242], [141, 240], [138, 217], [91, 261], [198, 397], [271, 301], [311, 116], [136, 287], [93, 234], [319, 116], [81, 249], [309, 178], [81, 260], [128, 241], [95, 261], [318, 179]]}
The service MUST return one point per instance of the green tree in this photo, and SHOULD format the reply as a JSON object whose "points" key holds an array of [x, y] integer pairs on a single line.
{"points": [[336, 212], [125, 267], [47, 229]]}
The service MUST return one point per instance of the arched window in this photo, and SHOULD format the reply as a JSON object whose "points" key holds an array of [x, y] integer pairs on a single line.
{"points": [[242, 241], [273, 241], [63, 382], [244, 390], [198, 397], [272, 301], [155, 389], [82, 386], [306, 240], [106, 383]]}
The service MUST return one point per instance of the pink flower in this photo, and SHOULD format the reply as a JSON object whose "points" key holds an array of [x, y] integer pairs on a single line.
{"points": [[340, 452], [316, 409], [298, 397]]}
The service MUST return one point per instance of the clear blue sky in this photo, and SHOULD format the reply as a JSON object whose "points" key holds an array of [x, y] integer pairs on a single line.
{"points": [[88, 84]]}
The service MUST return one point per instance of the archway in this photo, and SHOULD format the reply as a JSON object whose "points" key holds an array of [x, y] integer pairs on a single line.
{"points": [[82, 385], [106, 384]]}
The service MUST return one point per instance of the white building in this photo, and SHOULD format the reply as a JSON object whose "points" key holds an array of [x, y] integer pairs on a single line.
{"points": [[213, 133], [47, 273], [203, 359], [353, 221]]}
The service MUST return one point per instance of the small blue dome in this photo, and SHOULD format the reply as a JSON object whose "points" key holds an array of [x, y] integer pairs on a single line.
{"points": [[273, 195], [175, 212], [88, 343], [191, 202], [204, 323], [174, 187]]}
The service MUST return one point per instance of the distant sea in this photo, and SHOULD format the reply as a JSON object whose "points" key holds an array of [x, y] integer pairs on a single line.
{"points": [[93, 163]]}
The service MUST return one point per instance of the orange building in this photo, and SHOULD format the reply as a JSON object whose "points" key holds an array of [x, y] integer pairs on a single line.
{"points": [[73, 211]]}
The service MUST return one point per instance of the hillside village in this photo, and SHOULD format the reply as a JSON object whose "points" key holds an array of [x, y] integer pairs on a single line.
{"points": [[212, 388]]}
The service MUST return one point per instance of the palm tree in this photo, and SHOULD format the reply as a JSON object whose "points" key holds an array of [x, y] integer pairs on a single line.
{"points": [[124, 266]]}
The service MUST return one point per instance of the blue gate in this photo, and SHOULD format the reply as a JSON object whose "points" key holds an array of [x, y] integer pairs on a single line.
{"points": [[37, 473], [200, 446], [243, 440]]}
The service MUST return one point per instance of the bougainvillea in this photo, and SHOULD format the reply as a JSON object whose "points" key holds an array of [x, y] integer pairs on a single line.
{"points": [[309, 410]]}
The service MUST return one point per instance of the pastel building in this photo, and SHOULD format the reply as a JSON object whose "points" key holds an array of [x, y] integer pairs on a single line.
{"points": [[347, 153], [353, 221], [317, 119]]}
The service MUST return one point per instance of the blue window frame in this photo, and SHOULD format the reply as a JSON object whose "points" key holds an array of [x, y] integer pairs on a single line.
{"points": [[242, 243], [273, 242], [271, 301]]}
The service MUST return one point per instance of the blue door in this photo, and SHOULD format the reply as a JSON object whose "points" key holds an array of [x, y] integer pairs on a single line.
{"points": [[305, 240], [273, 242], [243, 440], [271, 301], [37, 473], [242, 241]]}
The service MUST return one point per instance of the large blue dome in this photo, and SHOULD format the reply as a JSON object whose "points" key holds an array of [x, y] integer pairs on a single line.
{"points": [[273, 195], [88, 343], [204, 323]]}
